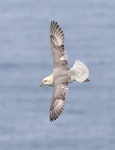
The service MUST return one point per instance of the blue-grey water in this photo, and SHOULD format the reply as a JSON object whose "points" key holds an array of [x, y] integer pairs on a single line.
{"points": [[88, 120]]}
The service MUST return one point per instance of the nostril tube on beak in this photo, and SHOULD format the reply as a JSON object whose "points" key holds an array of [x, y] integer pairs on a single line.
{"points": [[41, 84]]}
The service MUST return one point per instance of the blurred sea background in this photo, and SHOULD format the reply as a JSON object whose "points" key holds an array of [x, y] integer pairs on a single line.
{"points": [[88, 120]]}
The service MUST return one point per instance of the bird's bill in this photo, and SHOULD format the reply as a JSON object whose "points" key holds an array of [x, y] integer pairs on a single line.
{"points": [[42, 84], [87, 80]]}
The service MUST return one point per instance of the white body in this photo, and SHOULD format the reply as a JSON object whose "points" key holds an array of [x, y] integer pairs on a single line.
{"points": [[79, 72]]}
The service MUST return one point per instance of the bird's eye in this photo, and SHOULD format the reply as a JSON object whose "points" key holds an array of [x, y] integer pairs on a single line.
{"points": [[45, 80]]}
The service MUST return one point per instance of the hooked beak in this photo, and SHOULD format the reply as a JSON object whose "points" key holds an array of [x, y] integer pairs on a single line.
{"points": [[42, 84], [87, 80]]}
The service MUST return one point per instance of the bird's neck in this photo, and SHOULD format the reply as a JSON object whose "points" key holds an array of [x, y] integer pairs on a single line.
{"points": [[51, 79]]}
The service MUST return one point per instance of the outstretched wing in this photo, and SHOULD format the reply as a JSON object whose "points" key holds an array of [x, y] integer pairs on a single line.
{"points": [[60, 73], [57, 46], [58, 101]]}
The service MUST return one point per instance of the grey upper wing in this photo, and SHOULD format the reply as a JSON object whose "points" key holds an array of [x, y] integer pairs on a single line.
{"points": [[58, 101], [60, 73], [57, 46]]}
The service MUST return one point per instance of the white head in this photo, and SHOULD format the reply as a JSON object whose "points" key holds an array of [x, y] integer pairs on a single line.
{"points": [[47, 81]]}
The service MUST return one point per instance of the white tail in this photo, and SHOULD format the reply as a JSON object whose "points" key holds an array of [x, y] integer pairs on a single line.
{"points": [[79, 72]]}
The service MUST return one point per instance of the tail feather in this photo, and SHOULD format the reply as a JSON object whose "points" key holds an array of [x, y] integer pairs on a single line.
{"points": [[79, 72]]}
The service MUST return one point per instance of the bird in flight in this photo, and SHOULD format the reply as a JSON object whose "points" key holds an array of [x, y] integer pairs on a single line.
{"points": [[62, 75]]}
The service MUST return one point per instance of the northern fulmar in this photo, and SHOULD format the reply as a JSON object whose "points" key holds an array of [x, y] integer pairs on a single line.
{"points": [[62, 75]]}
